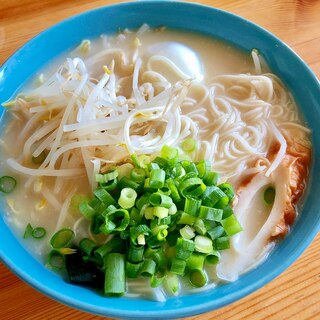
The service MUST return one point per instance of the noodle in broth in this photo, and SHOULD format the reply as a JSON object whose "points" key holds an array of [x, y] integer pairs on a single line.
{"points": [[125, 94]]}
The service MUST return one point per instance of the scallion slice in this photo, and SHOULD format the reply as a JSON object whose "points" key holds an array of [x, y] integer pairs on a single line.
{"points": [[269, 195], [87, 246], [203, 244], [62, 238], [158, 199], [198, 278], [135, 253], [39, 233], [187, 232], [138, 175], [192, 206], [188, 145], [172, 283], [178, 266], [127, 198], [231, 225], [28, 231], [157, 178], [56, 260], [222, 243], [115, 279], [7, 184], [148, 268], [133, 269], [105, 197]]}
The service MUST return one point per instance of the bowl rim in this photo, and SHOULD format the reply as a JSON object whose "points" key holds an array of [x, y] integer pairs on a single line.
{"points": [[185, 310]]}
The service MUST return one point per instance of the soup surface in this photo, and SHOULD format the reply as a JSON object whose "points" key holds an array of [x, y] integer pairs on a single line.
{"points": [[133, 93]]}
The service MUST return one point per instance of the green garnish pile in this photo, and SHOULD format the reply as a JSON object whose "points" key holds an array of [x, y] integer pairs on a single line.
{"points": [[167, 219]]}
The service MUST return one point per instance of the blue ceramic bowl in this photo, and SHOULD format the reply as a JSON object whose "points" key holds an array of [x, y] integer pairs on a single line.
{"points": [[188, 17]]}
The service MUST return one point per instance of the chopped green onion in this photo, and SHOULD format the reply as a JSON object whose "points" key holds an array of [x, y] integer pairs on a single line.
{"points": [[211, 178], [191, 168], [173, 209], [136, 216], [198, 278], [7, 184], [135, 253], [157, 178], [159, 212], [148, 268], [215, 197], [169, 153], [203, 168], [133, 269], [142, 201], [187, 232], [140, 161], [203, 244], [160, 258], [227, 211], [86, 210], [114, 243], [141, 239], [157, 279], [156, 226], [174, 190], [138, 175], [87, 246], [76, 200], [120, 218], [62, 238], [165, 218], [127, 198], [154, 166], [162, 234], [178, 170], [188, 145], [186, 219], [159, 163], [106, 177], [137, 231], [178, 266], [231, 225], [184, 248], [222, 243], [196, 261], [269, 195], [28, 231], [96, 205], [216, 232], [67, 251], [228, 190], [213, 257], [110, 185], [192, 206], [105, 197], [193, 187], [107, 227], [56, 260], [127, 183], [200, 227], [39, 232], [209, 213], [115, 275], [96, 223], [158, 199], [171, 283]]}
